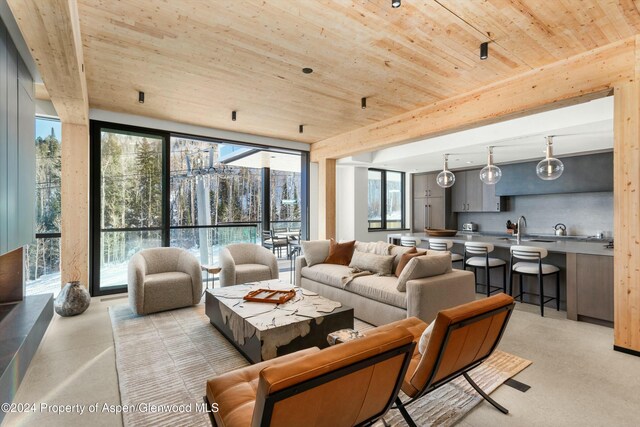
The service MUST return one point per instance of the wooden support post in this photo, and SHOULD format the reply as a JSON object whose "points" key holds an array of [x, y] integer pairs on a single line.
{"points": [[74, 244], [626, 208], [327, 199]]}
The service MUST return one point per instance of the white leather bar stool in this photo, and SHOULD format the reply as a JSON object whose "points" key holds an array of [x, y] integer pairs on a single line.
{"points": [[445, 245], [408, 241], [480, 259], [533, 268]]}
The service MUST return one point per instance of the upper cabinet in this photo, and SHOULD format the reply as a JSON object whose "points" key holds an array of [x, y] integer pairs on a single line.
{"points": [[469, 194], [582, 174], [425, 185]]}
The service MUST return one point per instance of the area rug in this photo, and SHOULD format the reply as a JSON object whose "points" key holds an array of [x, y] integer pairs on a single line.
{"points": [[164, 359]]}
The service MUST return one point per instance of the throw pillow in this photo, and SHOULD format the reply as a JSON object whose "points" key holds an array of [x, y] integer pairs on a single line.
{"points": [[404, 260], [424, 338], [315, 251], [378, 248], [399, 250], [340, 253], [424, 266], [379, 264]]}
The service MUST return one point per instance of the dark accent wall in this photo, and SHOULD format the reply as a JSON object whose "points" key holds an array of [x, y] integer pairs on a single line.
{"points": [[17, 148]]}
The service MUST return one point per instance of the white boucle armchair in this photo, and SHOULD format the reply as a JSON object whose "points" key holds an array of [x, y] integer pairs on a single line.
{"points": [[246, 262], [163, 279]]}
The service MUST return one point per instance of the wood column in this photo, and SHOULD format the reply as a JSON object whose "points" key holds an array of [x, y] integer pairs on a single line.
{"points": [[626, 207], [74, 244], [326, 198]]}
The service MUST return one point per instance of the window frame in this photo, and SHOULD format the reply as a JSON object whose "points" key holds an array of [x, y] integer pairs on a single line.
{"points": [[383, 200]]}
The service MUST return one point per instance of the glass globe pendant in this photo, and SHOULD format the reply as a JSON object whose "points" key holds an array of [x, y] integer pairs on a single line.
{"points": [[550, 168], [491, 173], [446, 178]]}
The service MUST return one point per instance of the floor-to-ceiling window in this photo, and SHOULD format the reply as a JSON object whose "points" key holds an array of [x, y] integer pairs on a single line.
{"points": [[44, 252], [212, 203], [153, 188], [128, 194]]}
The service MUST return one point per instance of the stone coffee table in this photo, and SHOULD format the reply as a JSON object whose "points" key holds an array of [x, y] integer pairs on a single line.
{"points": [[263, 331]]}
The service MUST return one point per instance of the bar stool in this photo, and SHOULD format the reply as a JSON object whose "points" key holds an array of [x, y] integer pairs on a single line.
{"points": [[482, 260], [408, 241], [445, 245], [537, 268]]}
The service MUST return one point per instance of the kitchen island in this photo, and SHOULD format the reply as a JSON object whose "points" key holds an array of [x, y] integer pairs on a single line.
{"points": [[586, 288]]}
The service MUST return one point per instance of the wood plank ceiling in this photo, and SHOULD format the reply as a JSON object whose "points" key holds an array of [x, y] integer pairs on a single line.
{"points": [[198, 60]]}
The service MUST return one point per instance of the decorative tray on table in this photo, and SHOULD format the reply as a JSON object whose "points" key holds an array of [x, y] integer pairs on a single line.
{"points": [[270, 295]]}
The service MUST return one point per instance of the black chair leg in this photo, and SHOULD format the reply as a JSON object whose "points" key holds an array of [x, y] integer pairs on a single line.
{"points": [[541, 291], [487, 277], [510, 281], [504, 278], [558, 291], [521, 281], [404, 413], [485, 395]]}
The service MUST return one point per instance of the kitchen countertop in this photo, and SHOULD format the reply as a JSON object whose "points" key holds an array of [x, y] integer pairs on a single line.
{"points": [[559, 245]]}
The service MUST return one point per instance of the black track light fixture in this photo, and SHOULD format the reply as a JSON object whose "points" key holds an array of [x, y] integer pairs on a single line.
{"points": [[234, 115], [363, 103], [141, 97], [301, 129], [484, 50], [395, 4]]}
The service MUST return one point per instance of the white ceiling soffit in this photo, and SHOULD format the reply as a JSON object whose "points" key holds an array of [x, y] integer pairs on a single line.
{"points": [[581, 128]]}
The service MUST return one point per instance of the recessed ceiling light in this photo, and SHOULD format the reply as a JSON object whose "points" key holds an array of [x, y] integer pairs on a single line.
{"points": [[307, 70], [470, 162], [395, 4]]}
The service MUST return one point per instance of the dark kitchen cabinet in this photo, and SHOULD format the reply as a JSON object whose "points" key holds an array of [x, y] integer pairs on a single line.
{"points": [[428, 212], [582, 174], [490, 201], [469, 194]]}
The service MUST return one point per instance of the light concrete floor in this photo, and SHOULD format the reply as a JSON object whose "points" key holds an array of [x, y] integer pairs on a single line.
{"points": [[576, 378]]}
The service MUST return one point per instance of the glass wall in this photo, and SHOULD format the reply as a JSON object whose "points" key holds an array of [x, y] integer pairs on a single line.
{"points": [[183, 191], [44, 252], [212, 203]]}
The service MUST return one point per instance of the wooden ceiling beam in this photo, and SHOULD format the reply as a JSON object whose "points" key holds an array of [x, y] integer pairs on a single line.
{"points": [[51, 29], [580, 77]]}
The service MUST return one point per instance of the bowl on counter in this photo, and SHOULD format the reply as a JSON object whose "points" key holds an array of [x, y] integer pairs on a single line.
{"points": [[437, 232]]}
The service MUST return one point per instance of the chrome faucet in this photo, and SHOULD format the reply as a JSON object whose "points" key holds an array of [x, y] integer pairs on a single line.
{"points": [[518, 236]]}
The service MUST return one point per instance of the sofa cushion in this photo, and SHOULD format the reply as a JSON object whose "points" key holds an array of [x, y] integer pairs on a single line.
{"points": [[328, 274], [315, 251], [378, 248], [379, 288], [404, 260], [379, 264], [340, 253], [246, 273], [424, 266]]}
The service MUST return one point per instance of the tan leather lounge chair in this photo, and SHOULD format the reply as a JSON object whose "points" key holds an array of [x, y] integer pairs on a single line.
{"points": [[349, 384], [461, 339]]}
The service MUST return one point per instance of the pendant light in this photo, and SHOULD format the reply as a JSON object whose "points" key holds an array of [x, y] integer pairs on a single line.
{"points": [[491, 173], [550, 168], [446, 178]]}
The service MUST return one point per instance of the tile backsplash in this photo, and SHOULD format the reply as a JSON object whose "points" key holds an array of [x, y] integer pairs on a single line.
{"points": [[584, 214]]}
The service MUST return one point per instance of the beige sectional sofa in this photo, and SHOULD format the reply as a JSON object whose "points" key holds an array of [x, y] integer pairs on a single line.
{"points": [[377, 300]]}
